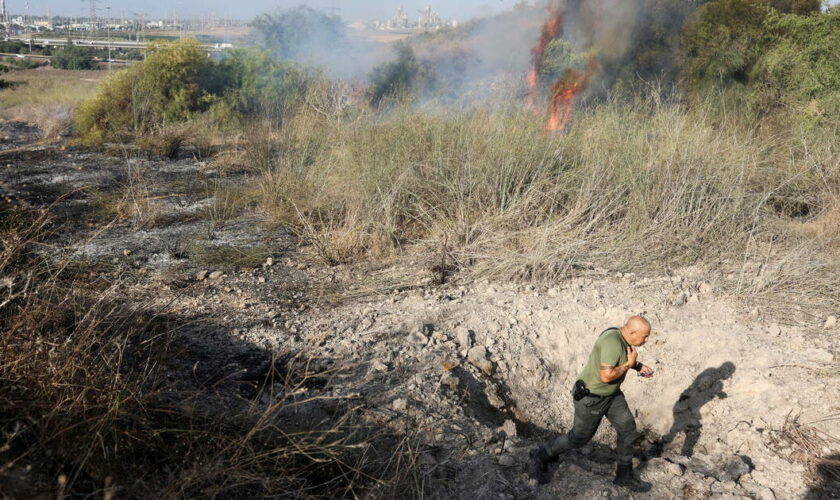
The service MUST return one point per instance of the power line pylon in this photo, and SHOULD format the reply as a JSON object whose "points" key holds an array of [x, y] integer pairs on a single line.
{"points": [[4, 18]]}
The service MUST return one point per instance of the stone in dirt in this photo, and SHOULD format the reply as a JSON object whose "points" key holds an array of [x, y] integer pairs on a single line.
{"points": [[379, 366], [830, 322], [509, 428], [201, 275], [417, 337], [507, 461], [215, 275], [719, 466], [399, 404], [478, 357], [450, 381], [774, 330], [464, 337]]}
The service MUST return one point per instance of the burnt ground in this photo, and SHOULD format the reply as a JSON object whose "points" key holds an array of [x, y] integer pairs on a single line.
{"points": [[479, 371]]}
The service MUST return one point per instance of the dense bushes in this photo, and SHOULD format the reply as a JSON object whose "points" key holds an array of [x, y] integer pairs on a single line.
{"points": [[177, 81], [779, 59], [254, 83], [403, 76], [73, 57]]}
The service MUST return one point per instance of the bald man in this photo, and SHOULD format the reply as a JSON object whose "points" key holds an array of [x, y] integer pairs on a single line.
{"points": [[597, 395]]}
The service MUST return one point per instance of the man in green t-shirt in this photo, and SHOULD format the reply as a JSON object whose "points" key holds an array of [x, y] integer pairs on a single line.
{"points": [[597, 395]]}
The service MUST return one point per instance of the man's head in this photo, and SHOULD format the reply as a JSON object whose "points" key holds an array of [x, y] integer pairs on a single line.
{"points": [[636, 330]]}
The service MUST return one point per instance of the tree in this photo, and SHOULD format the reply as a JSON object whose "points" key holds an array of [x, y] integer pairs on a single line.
{"points": [[73, 57], [295, 33], [399, 77]]}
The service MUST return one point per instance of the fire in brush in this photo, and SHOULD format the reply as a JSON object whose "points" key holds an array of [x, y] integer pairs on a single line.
{"points": [[563, 92]]}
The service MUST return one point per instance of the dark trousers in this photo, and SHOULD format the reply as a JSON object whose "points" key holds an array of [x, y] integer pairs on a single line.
{"points": [[588, 414]]}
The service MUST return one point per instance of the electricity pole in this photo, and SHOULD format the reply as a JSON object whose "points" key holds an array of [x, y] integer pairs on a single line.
{"points": [[4, 18]]}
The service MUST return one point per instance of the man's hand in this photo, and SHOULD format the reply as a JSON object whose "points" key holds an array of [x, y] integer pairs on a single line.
{"points": [[646, 371]]}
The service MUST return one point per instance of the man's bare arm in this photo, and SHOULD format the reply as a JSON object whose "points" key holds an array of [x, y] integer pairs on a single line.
{"points": [[609, 373]]}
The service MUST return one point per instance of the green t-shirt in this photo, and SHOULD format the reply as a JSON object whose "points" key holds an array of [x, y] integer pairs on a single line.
{"points": [[610, 349]]}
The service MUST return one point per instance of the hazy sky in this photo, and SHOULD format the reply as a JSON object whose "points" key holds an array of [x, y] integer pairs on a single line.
{"points": [[246, 9]]}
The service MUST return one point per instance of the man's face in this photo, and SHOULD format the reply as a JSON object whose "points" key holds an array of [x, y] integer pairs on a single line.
{"points": [[639, 337]]}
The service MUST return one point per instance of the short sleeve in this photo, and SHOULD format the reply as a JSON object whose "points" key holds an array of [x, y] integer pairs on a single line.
{"points": [[610, 352]]}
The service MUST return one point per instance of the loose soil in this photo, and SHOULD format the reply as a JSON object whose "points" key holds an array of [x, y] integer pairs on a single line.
{"points": [[481, 370]]}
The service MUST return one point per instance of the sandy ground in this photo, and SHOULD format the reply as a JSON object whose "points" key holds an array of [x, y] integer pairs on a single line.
{"points": [[482, 371]]}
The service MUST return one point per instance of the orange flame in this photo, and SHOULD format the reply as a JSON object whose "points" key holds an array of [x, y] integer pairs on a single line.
{"points": [[564, 91], [549, 32], [563, 94]]}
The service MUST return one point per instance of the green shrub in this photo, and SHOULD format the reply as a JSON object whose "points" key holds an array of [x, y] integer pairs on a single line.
{"points": [[723, 42], [560, 56], [254, 83], [73, 57], [403, 76], [167, 87]]}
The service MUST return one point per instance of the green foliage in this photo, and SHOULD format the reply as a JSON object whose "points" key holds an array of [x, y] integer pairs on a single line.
{"points": [[173, 77], [255, 83], [802, 68], [73, 57], [654, 47], [724, 41], [403, 76], [291, 34], [168, 86], [779, 59], [177, 81], [796, 6], [560, 56], [11, 47]]}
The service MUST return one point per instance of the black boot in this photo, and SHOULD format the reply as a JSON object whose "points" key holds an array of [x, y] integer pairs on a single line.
{"points": [[624, 477], [541, 461]]}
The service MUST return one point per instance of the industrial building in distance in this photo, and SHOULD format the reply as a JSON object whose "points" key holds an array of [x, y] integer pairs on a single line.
{"points": [[427, 20]]}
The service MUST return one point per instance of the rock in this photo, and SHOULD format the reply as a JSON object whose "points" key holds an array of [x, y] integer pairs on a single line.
{"points": [[417, 338], [215, 275], [705, 288], [678, 299], [379, 366], [493, 398], [774, 330], [507, 461], [269, 262], [261, 279], [719, 466], [464, 337], [478, 357], [530, 361], [509, 428], [830, 322], [399, 404], [201, 275], [126, 252], [758, 491], [450, 381]]}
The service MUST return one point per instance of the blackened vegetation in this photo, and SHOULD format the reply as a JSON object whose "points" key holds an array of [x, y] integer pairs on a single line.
{"points": [[99, 394]]}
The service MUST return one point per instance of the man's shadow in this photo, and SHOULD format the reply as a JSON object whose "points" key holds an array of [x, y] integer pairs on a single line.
{"points": [[687, 419], [828, 480]]}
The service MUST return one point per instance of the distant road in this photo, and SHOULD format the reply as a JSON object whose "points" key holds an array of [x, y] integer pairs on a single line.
{"points": [[104, 44]]}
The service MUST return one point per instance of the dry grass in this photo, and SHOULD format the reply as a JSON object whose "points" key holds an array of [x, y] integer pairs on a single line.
{"points": [[47, 97], [96, 399], [640, 186]]}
